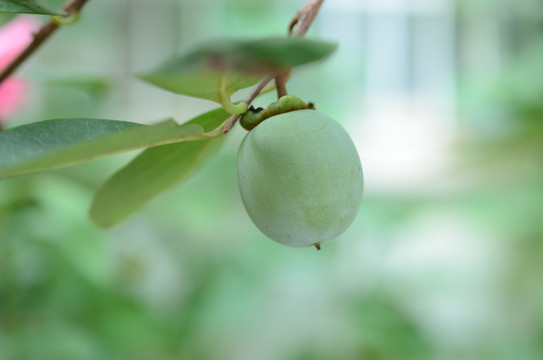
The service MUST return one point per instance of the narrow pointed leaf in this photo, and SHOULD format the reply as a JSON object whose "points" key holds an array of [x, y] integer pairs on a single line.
{"points": [[151, 172], [57, 143], [25, 7], [198, 73]]}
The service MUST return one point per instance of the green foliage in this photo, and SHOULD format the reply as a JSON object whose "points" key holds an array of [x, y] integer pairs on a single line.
{"points": [[150, 173], [153, 171], [214, 72], [25, 7], [56, 143], [445, 269], [381, 319], [242, 62]]}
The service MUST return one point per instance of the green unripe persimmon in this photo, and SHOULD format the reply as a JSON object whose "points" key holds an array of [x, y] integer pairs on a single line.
{"points": [[300, 178]]}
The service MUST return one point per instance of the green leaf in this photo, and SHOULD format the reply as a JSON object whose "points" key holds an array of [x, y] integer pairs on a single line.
{"points": [[57, 143], [199, 82], [245, 62], [25, 7], [150, 173]]}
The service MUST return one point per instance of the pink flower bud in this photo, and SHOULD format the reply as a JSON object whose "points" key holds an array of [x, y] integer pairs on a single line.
{"points": [[14, 37]]}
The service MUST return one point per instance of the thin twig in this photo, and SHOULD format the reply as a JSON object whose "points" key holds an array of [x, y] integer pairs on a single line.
{"points": [[280, 84], [304, 18], [298, 26], [71, 7]]}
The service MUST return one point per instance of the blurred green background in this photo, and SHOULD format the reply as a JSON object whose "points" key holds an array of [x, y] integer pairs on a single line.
{"points": [[444, 101]]}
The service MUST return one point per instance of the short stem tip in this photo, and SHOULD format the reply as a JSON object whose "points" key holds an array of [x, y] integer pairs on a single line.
{"points": [[318, 245]]}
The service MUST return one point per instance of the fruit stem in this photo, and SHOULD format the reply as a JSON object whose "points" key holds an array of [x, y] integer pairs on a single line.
{"points": [[318, 245], [280, 84]]}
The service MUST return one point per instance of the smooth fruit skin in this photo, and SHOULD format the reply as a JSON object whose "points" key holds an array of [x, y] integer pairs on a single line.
{"points": [[300, 178]]}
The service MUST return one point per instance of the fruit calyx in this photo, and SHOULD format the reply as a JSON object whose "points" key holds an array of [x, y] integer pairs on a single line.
{"points": [[284, 104]]}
